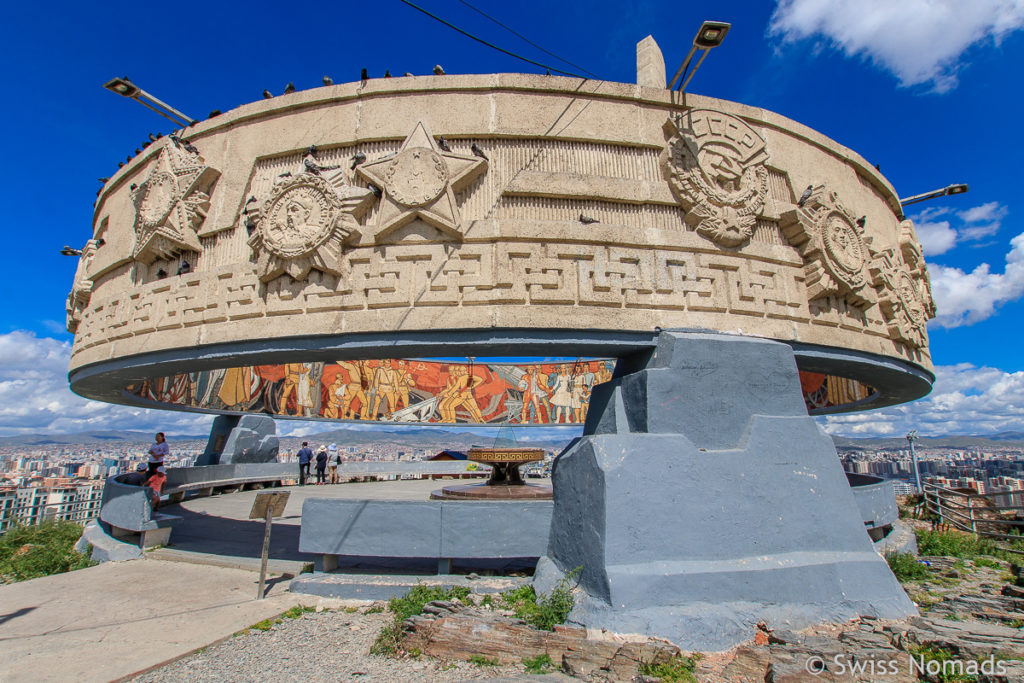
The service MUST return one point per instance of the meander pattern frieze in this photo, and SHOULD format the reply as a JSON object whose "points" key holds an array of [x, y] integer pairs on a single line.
{"points": [[522, 273]]}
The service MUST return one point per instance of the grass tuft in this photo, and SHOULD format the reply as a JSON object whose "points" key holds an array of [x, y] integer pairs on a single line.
{"points": [[679, 669], [906, 566]]}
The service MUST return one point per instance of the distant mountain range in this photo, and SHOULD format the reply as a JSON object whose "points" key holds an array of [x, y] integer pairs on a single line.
{"points": [[464, 438], [409, 437], [954, 441]]}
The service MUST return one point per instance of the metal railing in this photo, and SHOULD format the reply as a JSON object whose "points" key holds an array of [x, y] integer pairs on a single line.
{"points": [[974, 513]]}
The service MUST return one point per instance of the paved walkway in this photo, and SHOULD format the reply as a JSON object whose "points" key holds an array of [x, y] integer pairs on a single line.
{"points": [[120, 618]]}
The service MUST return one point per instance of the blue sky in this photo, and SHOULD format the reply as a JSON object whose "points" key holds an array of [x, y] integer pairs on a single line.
{"points": [[929, 90]]}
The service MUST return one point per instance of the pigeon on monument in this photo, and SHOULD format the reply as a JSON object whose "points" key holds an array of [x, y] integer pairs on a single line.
{"points": [[407, 73], [364, 75], [215, 112], [478, 152], [189, 147], [862, 220], [387, 73], [356, 160], [377, 192], [267, 94], [103, 180], [586, 220], [438, 71], [138, 151], [120, 164], [443, 144], [805, 196], [328, 80], [153, 138], [132, 186], [289, 89]]}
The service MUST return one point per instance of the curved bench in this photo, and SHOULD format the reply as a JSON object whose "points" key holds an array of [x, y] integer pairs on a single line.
{"points": [[445, 530], [127, 510], [876, 500]]}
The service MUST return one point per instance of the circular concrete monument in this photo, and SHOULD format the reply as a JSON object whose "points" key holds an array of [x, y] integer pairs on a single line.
{"points": [[741, 269]]}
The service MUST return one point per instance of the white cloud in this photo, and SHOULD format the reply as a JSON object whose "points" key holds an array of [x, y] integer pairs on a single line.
{"points": [[35, 398], [919, 41], [965, 400], [966, 298], [977, 222], [936, 238], [982, 221]]}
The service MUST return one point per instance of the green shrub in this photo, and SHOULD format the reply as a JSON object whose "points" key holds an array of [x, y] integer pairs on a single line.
{"points": [[480, 660], [390, 637], [28, 552], [298, 611], [679, 669], [537, 665], [906, 566], [544, 611], [961, 544], [412, 602]]}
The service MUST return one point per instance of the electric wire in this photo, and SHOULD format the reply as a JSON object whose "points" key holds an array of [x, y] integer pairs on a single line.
{"points": [[522, 37], [491, 45]]}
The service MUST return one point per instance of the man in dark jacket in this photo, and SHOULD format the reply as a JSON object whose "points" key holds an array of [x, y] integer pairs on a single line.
{"points": [[305, 457], [321, 465]]}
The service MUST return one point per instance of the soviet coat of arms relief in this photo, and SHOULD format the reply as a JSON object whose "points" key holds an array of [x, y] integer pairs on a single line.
{"points": [[715, 165]]}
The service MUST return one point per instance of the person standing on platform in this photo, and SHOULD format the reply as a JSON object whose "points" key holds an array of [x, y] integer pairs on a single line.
{"points": [[333, 461], [321, 465], [305, 457], [157, 452]]}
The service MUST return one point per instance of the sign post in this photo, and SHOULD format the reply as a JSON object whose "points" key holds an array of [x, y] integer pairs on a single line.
{"points": [[267, 506]]}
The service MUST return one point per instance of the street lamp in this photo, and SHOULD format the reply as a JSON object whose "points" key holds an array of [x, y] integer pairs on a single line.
{"points": [[911, 437], [125, 88], [711, 34], [948, 190]]}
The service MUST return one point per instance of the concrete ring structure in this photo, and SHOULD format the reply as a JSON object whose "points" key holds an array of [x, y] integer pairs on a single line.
{"points": [[516, 215]]}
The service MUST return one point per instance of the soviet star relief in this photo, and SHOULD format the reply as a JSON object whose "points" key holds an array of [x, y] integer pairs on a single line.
{"points": [[171, 204], [420, 181], [304, 222]]}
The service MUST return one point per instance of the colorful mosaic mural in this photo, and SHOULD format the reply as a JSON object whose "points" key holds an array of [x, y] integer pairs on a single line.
{"points": [[423, 391]]}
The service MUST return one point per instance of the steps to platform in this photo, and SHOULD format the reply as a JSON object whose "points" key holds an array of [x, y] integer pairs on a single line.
{"points": [[351, 586]]}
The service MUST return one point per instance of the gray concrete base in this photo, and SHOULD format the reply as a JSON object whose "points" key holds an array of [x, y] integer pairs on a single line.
{"points": [[702, 499], [105, 548], [901, 539], [387, 586]]}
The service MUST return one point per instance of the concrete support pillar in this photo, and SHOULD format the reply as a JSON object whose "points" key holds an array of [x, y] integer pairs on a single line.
{"points": [[702, 499]]}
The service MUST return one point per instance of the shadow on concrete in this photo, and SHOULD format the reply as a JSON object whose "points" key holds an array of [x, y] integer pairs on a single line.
{"points": [[201, 533], [4, 618]]}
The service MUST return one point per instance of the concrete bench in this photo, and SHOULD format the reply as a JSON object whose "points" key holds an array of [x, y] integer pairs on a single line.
{"points": [[153, 532], [441, 529]]}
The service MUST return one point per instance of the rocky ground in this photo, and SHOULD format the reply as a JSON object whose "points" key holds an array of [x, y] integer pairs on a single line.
{"points": [[970, 611]]}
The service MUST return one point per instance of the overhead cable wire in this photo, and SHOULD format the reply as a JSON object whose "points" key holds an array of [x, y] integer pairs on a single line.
{"points": [[491, 45], [521, 36]]}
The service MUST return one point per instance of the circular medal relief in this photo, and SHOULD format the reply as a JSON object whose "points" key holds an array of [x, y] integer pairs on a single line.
{"points": [[910, 295], [297, 222], [844, 246], [416, 177], [159, 196]]}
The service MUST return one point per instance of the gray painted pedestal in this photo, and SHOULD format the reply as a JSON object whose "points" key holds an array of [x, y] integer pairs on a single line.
{"points": [[702, 499]]}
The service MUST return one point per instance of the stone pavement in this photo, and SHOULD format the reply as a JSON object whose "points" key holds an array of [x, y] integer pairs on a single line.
{"points": [[120, 618]]}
